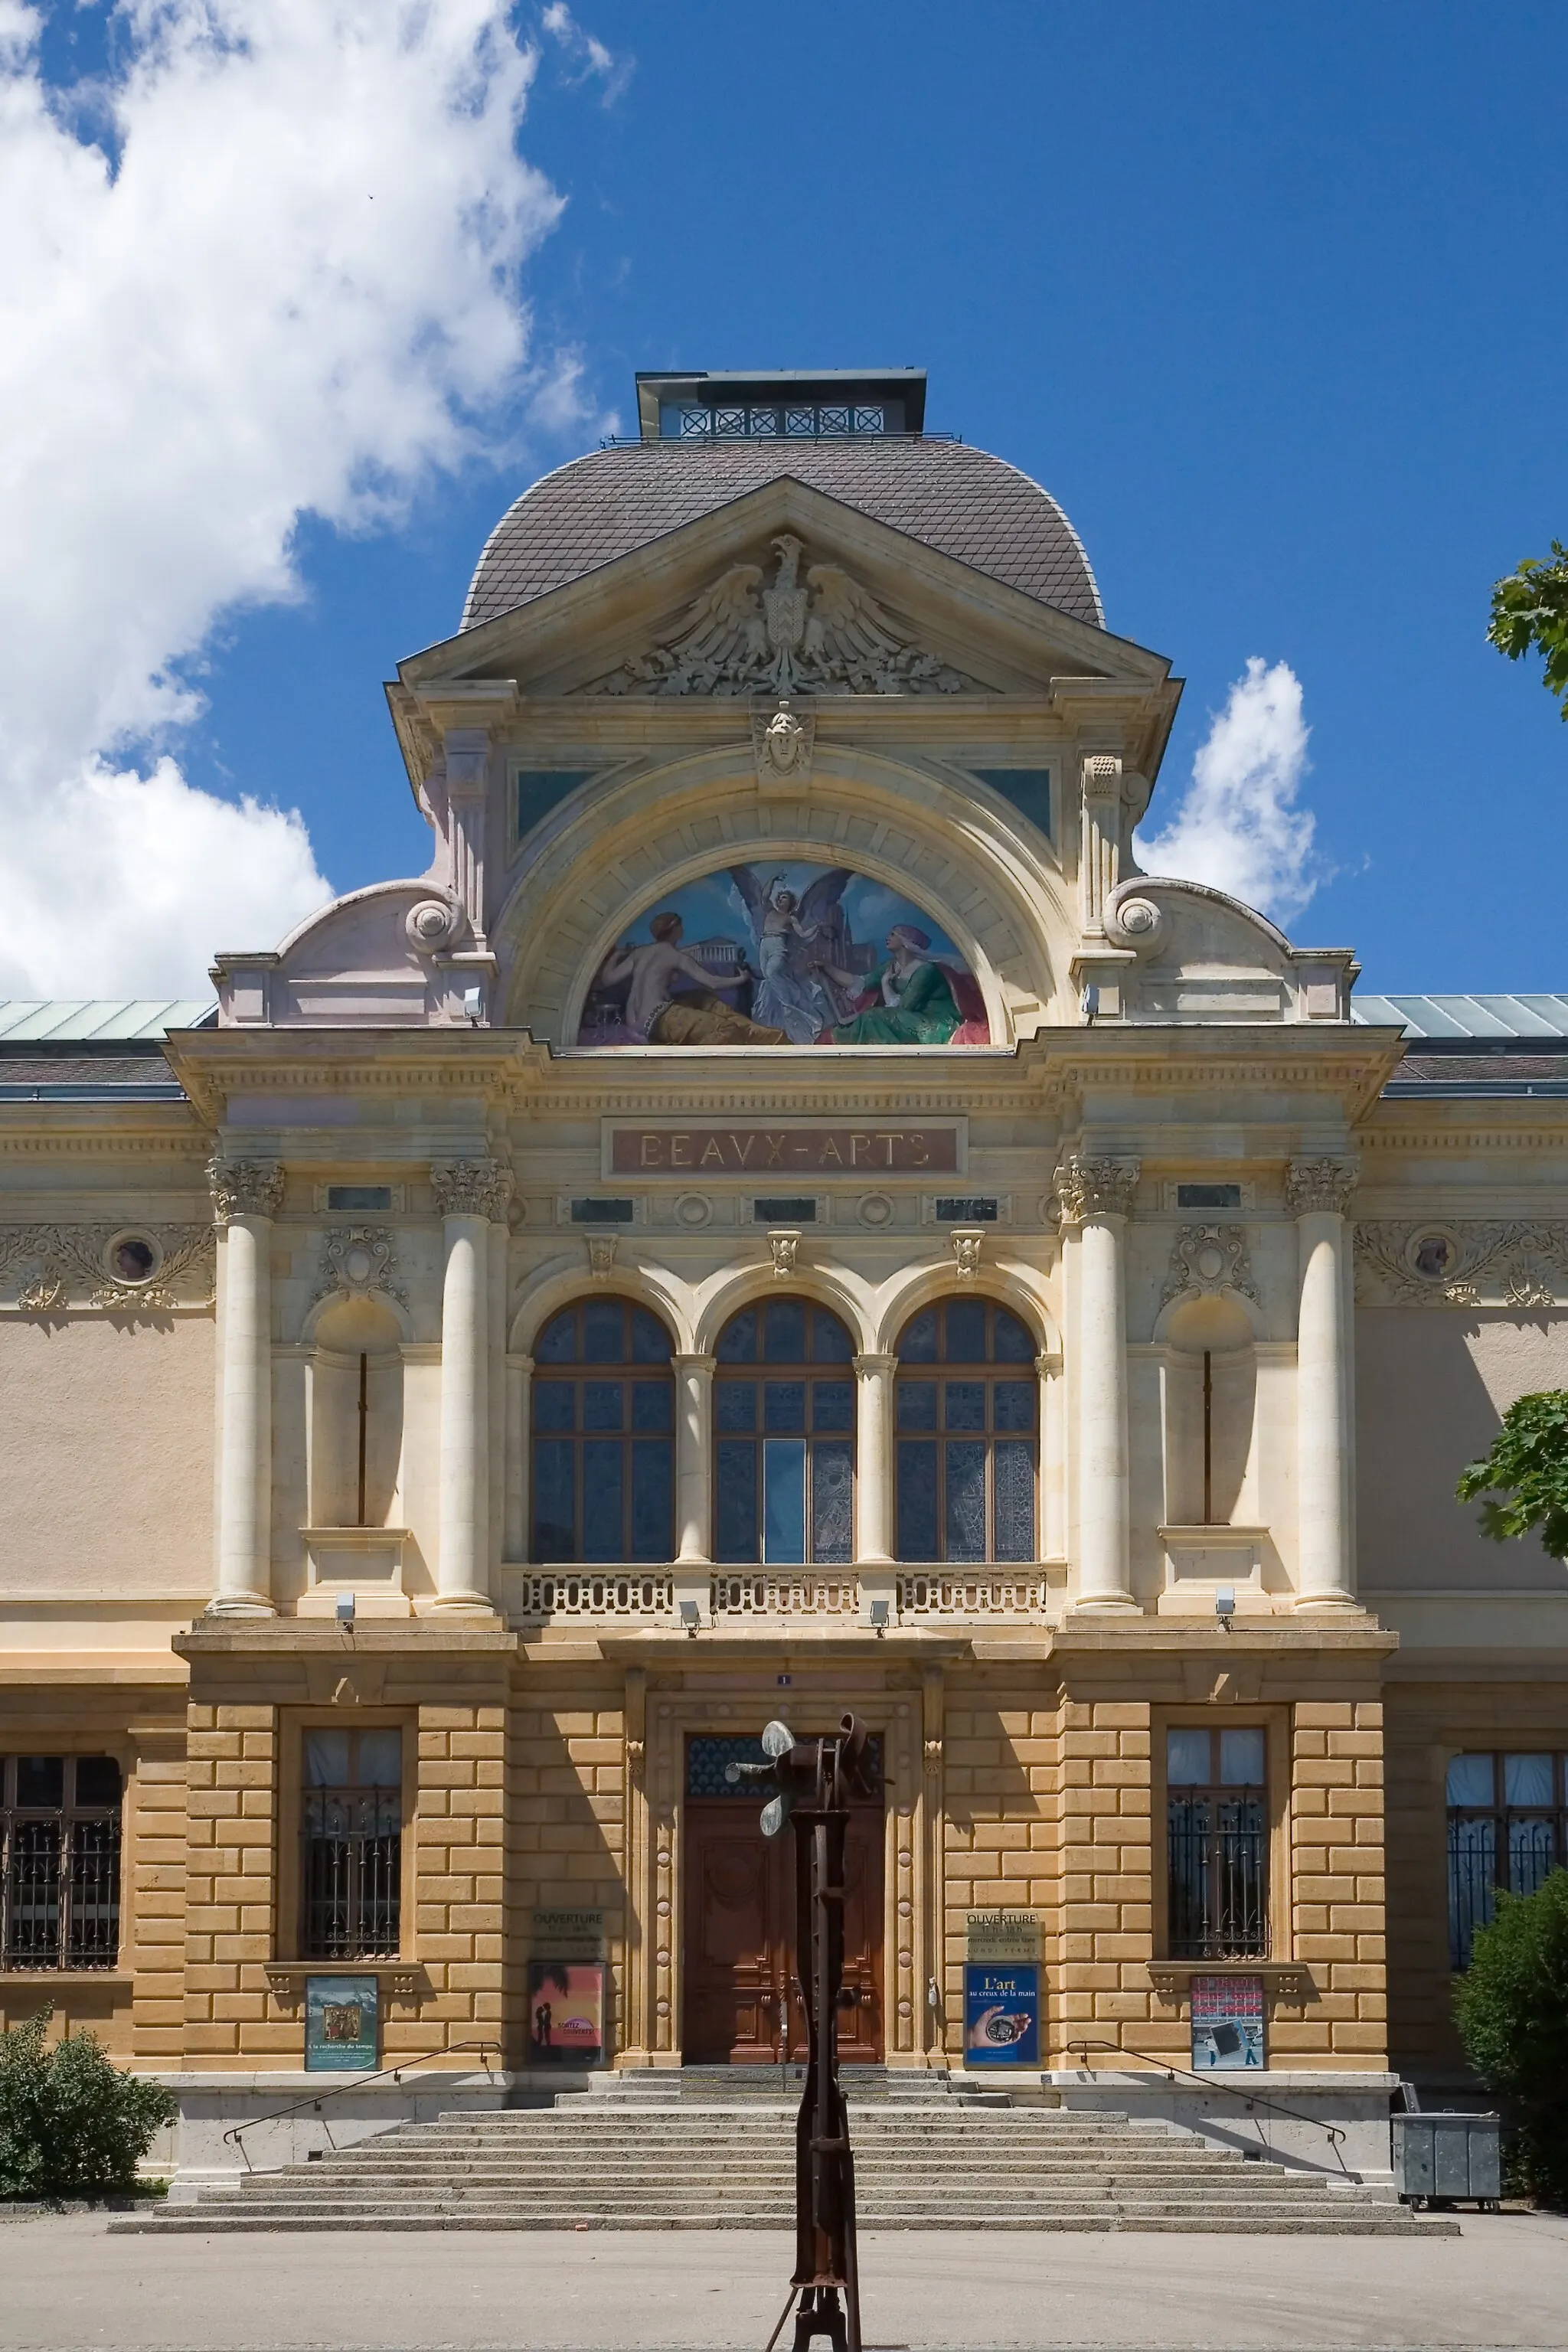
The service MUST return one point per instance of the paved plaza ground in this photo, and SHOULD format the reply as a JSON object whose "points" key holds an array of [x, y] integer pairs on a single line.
{"points": [[66, 2285]]}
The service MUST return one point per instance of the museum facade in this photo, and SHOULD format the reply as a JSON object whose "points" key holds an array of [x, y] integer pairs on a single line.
{"points": [[783, 1216]]}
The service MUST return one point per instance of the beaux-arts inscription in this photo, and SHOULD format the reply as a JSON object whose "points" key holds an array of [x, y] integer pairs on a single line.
{"points": [[754, 1151]]}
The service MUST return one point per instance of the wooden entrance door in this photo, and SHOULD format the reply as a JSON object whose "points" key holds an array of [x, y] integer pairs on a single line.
{"points": [[742, 2001]]}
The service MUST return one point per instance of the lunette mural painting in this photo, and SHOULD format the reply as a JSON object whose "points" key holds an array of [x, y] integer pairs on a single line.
{"points": [[787, 955]]}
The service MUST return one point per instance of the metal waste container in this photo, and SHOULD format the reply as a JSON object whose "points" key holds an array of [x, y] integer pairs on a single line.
{"points": [[1440, 2158]]}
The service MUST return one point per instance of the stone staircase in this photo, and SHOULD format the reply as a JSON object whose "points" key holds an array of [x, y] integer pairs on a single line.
{"points": [[669, 2159]]}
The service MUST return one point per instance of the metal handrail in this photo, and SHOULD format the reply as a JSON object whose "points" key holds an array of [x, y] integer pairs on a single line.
{"points": [[1233, 2090], [318, 2099]]}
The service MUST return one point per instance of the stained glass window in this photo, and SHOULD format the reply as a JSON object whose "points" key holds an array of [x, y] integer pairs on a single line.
{"points": [[603, 1436], [783, 1446], [967, 1413]]}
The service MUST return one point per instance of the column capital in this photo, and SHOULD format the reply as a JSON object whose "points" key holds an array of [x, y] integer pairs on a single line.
{"points": [[471, 1188], [694, 1363], [867, 1366], [1320, 1185], [1086, 1185], [245, 1188]]}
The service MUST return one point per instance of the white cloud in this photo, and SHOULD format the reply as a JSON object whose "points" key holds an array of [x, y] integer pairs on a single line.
{"points": [[286, 283], [581, 50], [1238, 826]]}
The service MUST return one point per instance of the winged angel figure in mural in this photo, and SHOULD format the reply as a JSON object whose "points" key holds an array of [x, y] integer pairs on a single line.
{"points": [[793, 940], [826, 637]]}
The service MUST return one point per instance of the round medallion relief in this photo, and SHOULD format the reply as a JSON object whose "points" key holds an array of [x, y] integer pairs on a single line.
{"points": [[1432, 1253], [875, 1209], [132, 1258], [693, 1210]]}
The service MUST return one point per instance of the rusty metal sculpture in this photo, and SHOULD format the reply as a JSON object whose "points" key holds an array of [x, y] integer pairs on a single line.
{"points": [[813, 1781]]}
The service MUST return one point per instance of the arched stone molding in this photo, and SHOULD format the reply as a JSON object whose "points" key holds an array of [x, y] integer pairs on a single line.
{"points": [[1173, 1307], [1008, 1281], [561, 1280], [1002, 904], [334, 1299], [724, 1294]]}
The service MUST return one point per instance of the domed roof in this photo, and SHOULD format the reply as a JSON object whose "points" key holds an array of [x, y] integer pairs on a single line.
{"points": [[961, 501]]}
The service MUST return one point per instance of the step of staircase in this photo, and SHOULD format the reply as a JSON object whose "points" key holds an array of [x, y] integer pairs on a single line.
{"points": [[693, 2164]]}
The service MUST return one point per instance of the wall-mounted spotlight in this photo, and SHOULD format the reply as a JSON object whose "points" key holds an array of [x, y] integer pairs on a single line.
{"points": [[1225, 1605], [879, 1616], [691, 1616], [344, 1612]]}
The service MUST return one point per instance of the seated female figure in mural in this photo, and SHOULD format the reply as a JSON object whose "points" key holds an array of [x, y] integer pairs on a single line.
{"points": [[917, 1004], [656, 1015]]}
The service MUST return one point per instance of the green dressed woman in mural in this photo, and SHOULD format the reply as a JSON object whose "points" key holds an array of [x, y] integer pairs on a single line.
{"points": [[917, 1004]]}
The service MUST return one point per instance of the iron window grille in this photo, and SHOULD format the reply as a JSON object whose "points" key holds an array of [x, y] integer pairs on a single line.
{"points": [[784, 1414], [350, 1873], [967, 1408], [1216, 1844], [59, 1862], [604, 1442], [1508, 1827], [794, 420]]}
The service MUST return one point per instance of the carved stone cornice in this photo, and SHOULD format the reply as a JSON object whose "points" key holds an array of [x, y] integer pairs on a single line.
{"points": [[471, 1188], [245, 1188], [1085, 1186], [1205, 1259], [1315, 1186]]}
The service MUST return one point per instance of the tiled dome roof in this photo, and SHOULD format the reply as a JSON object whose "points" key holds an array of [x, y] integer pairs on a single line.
{"points": [[975, 508]]}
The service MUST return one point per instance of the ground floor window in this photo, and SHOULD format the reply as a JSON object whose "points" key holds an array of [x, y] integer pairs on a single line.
{"points": [[352, 1860], [1216, 1844], [1508, 1826], [59, 1862]]}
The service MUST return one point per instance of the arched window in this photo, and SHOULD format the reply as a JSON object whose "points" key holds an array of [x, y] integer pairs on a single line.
{"points": [[968, 1423], [784, 1414], [604, 1418]]}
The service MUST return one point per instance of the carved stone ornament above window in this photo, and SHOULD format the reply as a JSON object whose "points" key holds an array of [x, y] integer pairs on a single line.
{"points": [[783, 741], [357, 1261], [245, 1188], [1207, 1259], [828, 636], [1320, 1185], [1086, 1187], [47, 1269], [471, 1188], [1462, 1264]]}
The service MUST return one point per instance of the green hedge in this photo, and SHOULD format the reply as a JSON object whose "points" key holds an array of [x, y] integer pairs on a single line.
{"points": [[71, 2124], [1513, 2010]]}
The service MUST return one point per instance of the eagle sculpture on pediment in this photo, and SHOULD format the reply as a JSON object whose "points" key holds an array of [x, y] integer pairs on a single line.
{"points": [[827, 635]]}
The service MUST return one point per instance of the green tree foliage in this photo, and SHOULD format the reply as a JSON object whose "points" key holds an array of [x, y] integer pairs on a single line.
{"points": [[1523, 1480], [1511, 2006], [1530, 608], [71, 2124]]}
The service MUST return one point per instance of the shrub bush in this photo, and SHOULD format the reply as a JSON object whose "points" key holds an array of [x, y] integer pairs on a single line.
{"points": [[1513, 2010], [71, 2124]]}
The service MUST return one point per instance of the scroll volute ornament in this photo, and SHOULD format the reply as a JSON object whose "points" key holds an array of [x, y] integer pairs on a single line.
{"points": [[1088, 1187], [1320, 1185], [245, 1188], [471, 1188]]}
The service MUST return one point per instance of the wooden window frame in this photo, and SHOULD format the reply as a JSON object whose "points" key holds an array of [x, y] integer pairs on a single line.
{"points": [[809, 1369], [293, 1728], [991, 1371], [1275, 1725], [578, 1374]]}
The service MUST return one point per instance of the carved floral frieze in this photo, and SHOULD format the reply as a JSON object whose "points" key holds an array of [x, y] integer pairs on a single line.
{"points": [[48, 1269], [1205, 1259], [1493, 1262], [822, 635]]}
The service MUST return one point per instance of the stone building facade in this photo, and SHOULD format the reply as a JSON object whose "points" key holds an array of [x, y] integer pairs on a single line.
{"points": [[782, 1216]]}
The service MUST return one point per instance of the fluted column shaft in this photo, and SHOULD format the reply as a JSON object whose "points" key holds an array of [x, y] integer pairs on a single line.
{"points": [[247, 1195], [1318, 1191], [1095, 1198], [471, 1193]]}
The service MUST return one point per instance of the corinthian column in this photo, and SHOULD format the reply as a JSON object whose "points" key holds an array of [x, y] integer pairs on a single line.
{"points": [[1095, 1200], [247, 1195], [1316, 1192], [470, 1196]]}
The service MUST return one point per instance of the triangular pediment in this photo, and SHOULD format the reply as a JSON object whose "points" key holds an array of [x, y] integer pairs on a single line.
{"points": [[786, 589]]}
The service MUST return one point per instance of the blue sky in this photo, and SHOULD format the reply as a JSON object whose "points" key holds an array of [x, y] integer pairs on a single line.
{"points": [[1268, 298]]}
